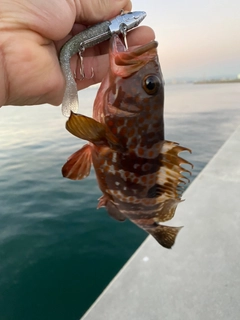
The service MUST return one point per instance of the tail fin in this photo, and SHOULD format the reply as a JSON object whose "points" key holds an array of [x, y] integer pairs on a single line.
{"points": [[164, 235]]}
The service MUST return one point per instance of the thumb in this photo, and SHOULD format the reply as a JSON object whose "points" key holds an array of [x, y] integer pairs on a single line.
{"points": [[94, 11]]}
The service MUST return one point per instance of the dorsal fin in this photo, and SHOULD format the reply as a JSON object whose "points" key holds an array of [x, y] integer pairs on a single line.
{"points": [[167, 210]]}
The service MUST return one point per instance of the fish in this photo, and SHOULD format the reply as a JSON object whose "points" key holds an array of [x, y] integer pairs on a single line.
{"points": [[140, 174]]}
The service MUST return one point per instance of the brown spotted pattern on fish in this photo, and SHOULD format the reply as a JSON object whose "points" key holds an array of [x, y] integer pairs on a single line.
{"points": [[139, 173]]}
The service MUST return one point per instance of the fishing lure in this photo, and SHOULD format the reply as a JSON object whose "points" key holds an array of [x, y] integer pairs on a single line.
{"points": [[89, 38]]}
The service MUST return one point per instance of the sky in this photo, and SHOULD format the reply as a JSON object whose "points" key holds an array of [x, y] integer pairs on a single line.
{"points": [[199, 39]]}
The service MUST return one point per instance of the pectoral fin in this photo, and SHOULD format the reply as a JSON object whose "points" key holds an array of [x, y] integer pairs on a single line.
{"points": [[89, 129], [78, 165]]}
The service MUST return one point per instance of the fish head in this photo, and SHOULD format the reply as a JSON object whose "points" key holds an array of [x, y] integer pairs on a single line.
{"points": [[125, 62], [130, 100], [135, 78]]}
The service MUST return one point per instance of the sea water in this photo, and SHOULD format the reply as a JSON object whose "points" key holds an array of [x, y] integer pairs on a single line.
{"points": [[57, 252]]}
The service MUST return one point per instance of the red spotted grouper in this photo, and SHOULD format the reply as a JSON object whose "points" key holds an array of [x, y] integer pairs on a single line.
{"points": [[138, 172]]}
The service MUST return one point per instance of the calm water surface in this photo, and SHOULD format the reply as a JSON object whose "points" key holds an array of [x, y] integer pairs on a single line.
{"points": [[57, 252]]}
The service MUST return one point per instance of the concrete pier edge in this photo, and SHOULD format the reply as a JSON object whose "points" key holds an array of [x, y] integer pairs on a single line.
{"points": [[200, 277]]}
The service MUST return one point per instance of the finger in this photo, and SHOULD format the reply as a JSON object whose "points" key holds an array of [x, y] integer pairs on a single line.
{"points": [[94, 11], [99, 63], [77, 28], [138, 36]]}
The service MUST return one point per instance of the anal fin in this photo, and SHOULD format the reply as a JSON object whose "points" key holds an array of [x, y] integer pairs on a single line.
{"points": [[78, 165], [164, 235]]}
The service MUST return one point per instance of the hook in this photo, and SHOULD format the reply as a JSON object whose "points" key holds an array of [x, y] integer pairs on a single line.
{"points": [[124, 33], [81, 69]]}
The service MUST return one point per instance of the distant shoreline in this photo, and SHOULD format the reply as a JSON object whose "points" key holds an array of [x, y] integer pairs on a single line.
{"points": [[217, 81]]}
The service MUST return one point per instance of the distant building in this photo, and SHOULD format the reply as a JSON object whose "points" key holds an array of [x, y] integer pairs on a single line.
{"points": [[238, 76]]}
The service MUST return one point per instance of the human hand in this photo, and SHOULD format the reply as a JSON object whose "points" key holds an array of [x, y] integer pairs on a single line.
{"points": [[31, 36]]}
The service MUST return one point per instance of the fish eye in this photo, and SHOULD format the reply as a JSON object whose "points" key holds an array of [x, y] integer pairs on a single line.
{"points": [[151, 84]]}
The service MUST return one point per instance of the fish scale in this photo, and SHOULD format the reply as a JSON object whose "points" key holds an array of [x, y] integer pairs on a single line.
{"points": [[138, 172]]}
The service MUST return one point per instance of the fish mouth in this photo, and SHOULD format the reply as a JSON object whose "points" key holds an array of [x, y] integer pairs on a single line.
{"points": [[125, 61], [118, 46]]}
